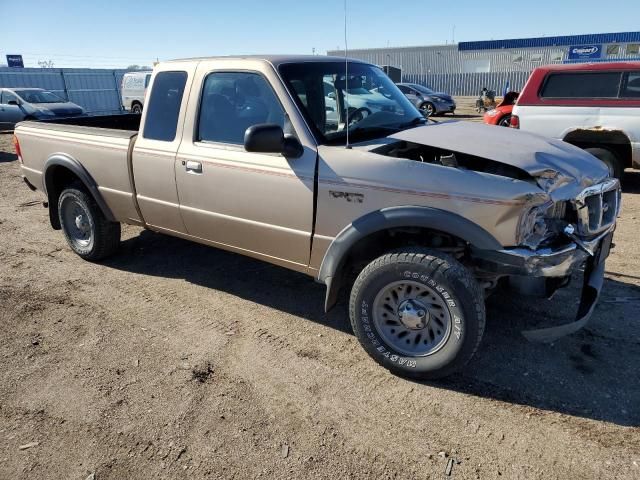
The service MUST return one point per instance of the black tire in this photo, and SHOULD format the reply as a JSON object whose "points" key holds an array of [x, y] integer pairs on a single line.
{"points": [[438, 274], [428, 109], [609, 159], [89, 234], [136, 108], [505, 121]]}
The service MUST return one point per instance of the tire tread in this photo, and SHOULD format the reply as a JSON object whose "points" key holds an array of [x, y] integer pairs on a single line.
{"points": [[450, 269]]}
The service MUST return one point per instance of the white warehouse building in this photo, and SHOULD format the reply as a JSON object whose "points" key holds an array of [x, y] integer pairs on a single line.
{"points": [[465, 68]]}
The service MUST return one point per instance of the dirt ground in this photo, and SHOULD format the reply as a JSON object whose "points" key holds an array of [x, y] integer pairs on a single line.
{"points": [[174, 360]]}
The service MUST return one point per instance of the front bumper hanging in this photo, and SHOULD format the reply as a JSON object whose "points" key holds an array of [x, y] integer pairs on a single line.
{"points": [[559, 262]]}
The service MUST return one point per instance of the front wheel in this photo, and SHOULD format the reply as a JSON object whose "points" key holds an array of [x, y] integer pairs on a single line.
{"points": [[428, 109], [418, 312], [136, 108], [88, 232], [609, 159]]}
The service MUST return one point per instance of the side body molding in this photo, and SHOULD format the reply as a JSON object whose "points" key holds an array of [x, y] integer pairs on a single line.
{"points": [[332, 266], [65, 161]]}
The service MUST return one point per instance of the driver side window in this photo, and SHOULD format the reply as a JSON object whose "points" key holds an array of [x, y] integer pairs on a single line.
{"points": [[234, 101]]}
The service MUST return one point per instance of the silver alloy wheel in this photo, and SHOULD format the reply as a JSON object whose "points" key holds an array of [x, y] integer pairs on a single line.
{"points": [[77, 222], [428, 108], [411, 318]]}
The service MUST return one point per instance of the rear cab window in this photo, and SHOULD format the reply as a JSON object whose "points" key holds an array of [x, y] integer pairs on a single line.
{"points": [[163, 109], [581, 85]]}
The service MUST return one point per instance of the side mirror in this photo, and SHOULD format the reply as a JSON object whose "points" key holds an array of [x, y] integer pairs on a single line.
{"points": [[331, 95], [269, 138], [13, 102]]}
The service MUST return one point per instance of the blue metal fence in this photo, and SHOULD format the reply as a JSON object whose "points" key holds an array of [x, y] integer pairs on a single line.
{"points": [[96, 90]]}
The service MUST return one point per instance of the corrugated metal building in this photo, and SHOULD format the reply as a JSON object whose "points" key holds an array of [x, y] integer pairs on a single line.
{"points": [[466, 67], [96, 90]]}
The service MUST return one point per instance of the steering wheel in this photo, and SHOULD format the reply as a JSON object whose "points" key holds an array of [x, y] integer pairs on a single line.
{"points": [[358, 115]]}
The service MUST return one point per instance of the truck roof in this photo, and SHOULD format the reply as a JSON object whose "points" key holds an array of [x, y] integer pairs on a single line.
{"points": [[275, 60], [591, 66]]}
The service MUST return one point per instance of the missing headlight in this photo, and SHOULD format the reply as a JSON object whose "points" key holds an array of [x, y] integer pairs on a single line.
{"points": [[542, 223]]}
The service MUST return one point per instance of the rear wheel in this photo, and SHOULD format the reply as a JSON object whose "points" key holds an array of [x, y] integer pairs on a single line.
{"points": [[505, 121], [418, 312], [136, 108], [609, 159], [88, 232]]}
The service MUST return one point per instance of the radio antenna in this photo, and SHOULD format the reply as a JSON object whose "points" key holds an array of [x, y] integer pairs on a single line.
{"points": [[346, 77]]}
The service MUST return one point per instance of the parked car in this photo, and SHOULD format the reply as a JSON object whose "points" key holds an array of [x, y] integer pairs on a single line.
{"points": [[237, 153], [360, 101], [501, 115], [594, 106], [428, 101], [17, 104], [133, 90]]}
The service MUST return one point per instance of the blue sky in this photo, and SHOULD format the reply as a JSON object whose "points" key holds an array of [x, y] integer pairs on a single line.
{"points": [[118, 33]]}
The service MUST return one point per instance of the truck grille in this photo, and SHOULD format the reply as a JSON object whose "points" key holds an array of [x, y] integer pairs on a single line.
{"points": [[598, 207]]}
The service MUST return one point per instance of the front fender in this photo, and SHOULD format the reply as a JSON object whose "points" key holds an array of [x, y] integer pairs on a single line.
{"points": [[334, 260]]}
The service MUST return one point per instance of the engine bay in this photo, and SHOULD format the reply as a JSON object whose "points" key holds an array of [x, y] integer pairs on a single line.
{"points": [[448, 158]]}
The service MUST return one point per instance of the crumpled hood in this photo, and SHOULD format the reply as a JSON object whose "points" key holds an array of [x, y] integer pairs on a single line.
{"points": [[553, 163]]}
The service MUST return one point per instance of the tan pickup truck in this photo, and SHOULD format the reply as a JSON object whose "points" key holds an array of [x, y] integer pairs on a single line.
{"points": [[324, 167]]}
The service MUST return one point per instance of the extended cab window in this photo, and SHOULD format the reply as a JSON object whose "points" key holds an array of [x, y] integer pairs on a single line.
{"points": [[232, 102], [164, 106], [582, 85], [632, 86]]}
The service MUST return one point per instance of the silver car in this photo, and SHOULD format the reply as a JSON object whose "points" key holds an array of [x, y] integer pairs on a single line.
{"points": [[428, 101], [17, 104]]}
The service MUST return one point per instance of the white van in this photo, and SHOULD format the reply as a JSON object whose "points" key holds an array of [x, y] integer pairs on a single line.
{"points": [[133, 89]]}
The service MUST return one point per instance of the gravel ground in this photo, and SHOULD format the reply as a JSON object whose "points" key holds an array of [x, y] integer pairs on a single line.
{"points": [[174, 360]]}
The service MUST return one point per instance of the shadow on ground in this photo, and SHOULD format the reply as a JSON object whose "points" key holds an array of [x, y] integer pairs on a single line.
{"points": [[7, 157], [591, 374], [631, 181]]}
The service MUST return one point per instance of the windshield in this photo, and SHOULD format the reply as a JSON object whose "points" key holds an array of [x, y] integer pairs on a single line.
{"points": [[38, 96], [367, 103], [422, 89]]}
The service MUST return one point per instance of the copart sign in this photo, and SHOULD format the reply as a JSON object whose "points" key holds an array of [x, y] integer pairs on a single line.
{"points": [[578, 52]]}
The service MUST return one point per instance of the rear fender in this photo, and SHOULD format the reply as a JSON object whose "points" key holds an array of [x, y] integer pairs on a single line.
{"points": [[53, 168]]}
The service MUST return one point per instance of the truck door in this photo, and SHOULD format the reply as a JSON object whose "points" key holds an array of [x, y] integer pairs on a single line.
{"points": [[259, 204], [155, 149]]}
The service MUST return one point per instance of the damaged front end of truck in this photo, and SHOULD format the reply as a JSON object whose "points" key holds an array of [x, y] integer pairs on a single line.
{"points": [[565, 221]]}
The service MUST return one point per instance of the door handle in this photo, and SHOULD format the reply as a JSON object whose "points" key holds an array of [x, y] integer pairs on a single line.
{"points": [[192, 166]]}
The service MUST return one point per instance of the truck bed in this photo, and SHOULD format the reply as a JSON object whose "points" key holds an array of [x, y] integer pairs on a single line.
{"points": [[100, 145], [127, 123]]}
